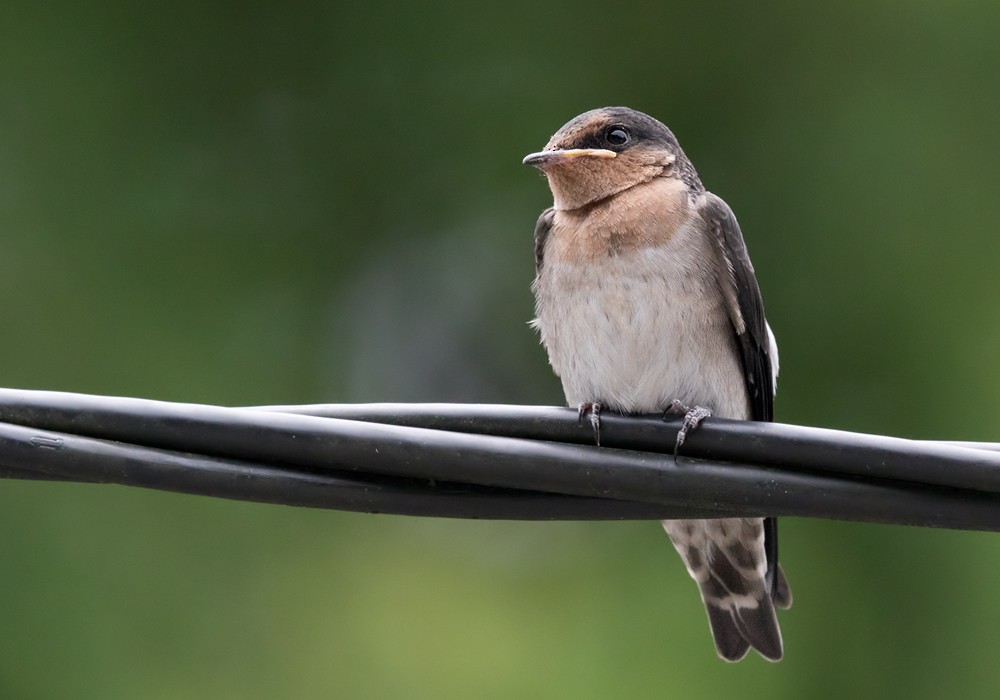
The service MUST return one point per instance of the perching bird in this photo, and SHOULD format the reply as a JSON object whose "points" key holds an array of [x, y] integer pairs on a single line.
{"points": [[646, 301]]}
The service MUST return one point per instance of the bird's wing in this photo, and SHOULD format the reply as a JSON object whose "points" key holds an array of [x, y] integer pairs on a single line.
{"points": [[542, 229], [743, 303], [754, 340]]}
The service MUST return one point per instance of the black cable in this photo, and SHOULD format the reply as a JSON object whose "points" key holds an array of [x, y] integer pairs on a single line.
{"points": [[65, 457], [971, 465], [458, 461]]}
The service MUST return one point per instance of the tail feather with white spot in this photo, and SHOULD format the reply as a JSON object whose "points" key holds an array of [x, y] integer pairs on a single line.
{"points": [[726, 559]]}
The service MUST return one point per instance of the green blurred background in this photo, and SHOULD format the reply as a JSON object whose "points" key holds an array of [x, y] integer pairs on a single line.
{"points": [[244, 203]]}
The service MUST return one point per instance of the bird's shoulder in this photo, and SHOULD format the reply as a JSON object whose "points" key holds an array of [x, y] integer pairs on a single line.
{"points": [[542, 229]]}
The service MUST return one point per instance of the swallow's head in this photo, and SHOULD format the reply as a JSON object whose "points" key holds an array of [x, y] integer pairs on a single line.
{"points": [[606, 151]]}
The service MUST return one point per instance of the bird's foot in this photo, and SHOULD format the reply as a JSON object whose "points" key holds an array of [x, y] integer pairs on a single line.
{"points": [[594, 409], [693, 416]]}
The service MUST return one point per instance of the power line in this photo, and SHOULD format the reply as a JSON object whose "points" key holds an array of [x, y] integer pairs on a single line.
{"points": [[496, 462]]}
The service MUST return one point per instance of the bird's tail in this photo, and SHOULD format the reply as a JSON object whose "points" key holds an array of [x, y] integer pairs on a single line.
{"points": [[726, 559]]}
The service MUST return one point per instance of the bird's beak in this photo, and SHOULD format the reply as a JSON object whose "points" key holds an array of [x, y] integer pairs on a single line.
{"points": [[543, 158]]}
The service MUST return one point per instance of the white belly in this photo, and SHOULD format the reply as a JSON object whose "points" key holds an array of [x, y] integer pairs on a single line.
{"points": [[638, 329]]}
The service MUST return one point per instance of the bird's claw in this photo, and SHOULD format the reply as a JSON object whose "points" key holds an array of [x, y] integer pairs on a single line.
{"points": [[693, 416], [594, 409]]}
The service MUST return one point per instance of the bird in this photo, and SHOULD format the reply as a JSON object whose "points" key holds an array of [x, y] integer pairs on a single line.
{"points": [[646, 301]]}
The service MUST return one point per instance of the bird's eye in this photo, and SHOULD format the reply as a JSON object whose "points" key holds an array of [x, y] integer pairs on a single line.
{"points": [[616, 136]]}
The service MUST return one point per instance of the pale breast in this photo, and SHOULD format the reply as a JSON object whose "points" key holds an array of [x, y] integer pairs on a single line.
{"points": [[636, 326]]}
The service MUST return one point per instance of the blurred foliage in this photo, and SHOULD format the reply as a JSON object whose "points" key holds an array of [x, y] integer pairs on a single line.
{"points": [[241, 203]]}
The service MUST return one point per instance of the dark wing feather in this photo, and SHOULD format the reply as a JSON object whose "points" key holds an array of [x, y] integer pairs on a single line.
{"points": [[542, 229], [746, 312], [743, 302]]}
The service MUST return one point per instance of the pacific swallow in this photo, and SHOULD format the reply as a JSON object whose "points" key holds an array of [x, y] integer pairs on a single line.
{"points": [[646, 301]]}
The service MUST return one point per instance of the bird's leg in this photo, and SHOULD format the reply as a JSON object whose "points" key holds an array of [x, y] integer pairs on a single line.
{"points": [[594, 409], [693, 416]]}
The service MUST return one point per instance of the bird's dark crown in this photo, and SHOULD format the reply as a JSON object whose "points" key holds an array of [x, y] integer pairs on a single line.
{"points": [[592, 129]]}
